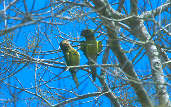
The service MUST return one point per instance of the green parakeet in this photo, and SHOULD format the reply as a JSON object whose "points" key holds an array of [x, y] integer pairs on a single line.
{"points": [[72, 58], [91, 49]]}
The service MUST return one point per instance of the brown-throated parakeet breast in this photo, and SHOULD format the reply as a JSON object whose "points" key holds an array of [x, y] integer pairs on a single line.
{"points": [[91, 48], [72, 58]]}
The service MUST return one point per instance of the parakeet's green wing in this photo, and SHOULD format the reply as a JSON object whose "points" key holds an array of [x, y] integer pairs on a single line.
{"points": [[72, 58], [91, 48], [91, 54], [100, 46], [67, 58], [75, 57]]}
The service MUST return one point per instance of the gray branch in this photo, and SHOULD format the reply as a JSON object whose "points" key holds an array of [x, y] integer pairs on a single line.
{"points": [[126, 65]]}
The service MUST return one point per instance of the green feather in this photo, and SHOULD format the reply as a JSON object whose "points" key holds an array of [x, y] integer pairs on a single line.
{"points": [[100, 46], [72, 58], [91, 48]]}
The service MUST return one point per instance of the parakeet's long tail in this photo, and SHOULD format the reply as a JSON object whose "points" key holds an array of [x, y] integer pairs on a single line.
{"points": [[94, 74], [93, 71], [74, 77]]}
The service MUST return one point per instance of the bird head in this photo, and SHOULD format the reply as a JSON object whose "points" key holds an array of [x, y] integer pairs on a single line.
{"points": [[87, 33], [65, 45]]}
